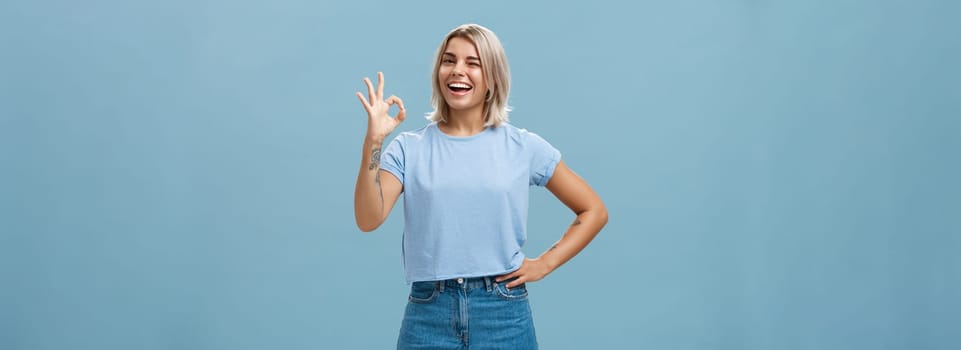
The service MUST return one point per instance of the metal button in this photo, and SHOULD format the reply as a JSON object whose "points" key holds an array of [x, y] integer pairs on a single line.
{"points": [[460, 281]]}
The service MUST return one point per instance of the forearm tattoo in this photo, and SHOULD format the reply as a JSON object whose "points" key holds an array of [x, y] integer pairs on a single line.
{"points": [[374, 159], [576, 222], [553, 247]]}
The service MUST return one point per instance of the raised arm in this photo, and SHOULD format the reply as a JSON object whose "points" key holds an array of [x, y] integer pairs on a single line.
{"points": [[374, 194], [590, 216]]}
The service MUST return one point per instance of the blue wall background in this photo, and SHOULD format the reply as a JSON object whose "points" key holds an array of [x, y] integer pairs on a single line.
{"points": [[780, 175]]}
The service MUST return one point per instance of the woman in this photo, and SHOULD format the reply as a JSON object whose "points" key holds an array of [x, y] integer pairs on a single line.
{"points": [[465, 179]]}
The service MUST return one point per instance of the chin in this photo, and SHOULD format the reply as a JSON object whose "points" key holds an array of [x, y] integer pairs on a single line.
{"points": [[462, 104]]}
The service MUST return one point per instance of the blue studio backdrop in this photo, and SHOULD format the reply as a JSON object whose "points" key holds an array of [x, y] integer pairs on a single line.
{"points": [[779, 174]]}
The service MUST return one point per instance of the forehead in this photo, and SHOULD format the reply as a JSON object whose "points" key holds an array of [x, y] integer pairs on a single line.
{"points": [[458, 46]]}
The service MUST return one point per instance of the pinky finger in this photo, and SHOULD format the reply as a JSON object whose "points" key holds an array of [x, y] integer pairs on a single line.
{"points": [[363, 101], [519, 281]]}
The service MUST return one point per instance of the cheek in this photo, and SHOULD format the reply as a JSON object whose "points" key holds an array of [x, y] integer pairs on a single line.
{"points": [[441, 76], [478, 78], [442, 72]]}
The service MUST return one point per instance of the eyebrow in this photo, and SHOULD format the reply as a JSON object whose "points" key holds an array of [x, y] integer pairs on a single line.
{"points": [[468, 57]]}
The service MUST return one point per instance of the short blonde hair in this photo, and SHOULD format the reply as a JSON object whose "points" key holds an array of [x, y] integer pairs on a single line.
{"points": [[494, 66]]}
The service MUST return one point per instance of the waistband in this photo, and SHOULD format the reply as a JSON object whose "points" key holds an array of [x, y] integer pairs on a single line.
{"points": [[486, 282]]}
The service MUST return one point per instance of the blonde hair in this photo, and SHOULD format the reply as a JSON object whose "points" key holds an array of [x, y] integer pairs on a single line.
{"points": [[494, 66]]}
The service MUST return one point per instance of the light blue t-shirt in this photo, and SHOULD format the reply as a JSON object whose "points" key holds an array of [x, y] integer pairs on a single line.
{"points": [[465, 198]]}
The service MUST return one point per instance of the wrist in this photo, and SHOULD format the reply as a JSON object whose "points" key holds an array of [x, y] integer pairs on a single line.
{"points": [[373, 141], [551, 264]]}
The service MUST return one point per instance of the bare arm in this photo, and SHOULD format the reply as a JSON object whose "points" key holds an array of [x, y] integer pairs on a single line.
{"points": [[376, 190], [591, 216], [374, 194]]}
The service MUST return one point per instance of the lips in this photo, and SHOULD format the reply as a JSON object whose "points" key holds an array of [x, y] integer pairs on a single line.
{"points": [[459, 88]]}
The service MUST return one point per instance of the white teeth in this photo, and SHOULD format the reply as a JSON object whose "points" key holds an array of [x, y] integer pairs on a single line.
{"points": [[459, 85]]}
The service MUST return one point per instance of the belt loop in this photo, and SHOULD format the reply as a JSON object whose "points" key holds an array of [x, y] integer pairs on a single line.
{"points": [[440, 286], [489, 282]]}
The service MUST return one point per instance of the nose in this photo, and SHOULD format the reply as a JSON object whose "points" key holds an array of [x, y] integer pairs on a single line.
{"points": [[458, 70]]}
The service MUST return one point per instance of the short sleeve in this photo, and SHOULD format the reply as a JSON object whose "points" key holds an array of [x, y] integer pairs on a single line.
{"points": [[392, 159], [544, 159]]}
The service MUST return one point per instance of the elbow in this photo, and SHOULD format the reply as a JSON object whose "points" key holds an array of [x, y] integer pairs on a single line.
{"points": [[367, 225], [602, 215], [367, 228], [367, 220], [596, 213]]}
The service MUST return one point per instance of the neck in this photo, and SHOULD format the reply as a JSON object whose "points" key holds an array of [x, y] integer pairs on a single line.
{"points": [[463, 123]]}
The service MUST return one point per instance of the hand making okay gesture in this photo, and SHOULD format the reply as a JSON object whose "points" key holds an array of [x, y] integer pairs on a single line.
{"points": [[379, 123]]}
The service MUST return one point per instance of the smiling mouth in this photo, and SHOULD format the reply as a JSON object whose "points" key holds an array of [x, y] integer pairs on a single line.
{"points": [[459, 89]]}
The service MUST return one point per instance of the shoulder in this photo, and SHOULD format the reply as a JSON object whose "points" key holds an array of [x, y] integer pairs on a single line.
{"points": [[415, 135], [520, 135]]}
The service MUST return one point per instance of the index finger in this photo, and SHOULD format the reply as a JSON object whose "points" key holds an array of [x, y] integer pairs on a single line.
{"points": [[380, 86], [507, 276]]}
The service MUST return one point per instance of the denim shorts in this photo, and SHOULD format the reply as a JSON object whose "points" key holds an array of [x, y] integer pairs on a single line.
{"points": [[467, 313]]}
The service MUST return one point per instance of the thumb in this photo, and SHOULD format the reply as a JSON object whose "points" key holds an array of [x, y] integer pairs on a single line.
{"points": [[402, 114]]}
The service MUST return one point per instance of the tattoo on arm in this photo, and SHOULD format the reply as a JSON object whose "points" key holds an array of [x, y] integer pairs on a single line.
{"points": [[553, 247], [576, 222], [374, 159]]}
